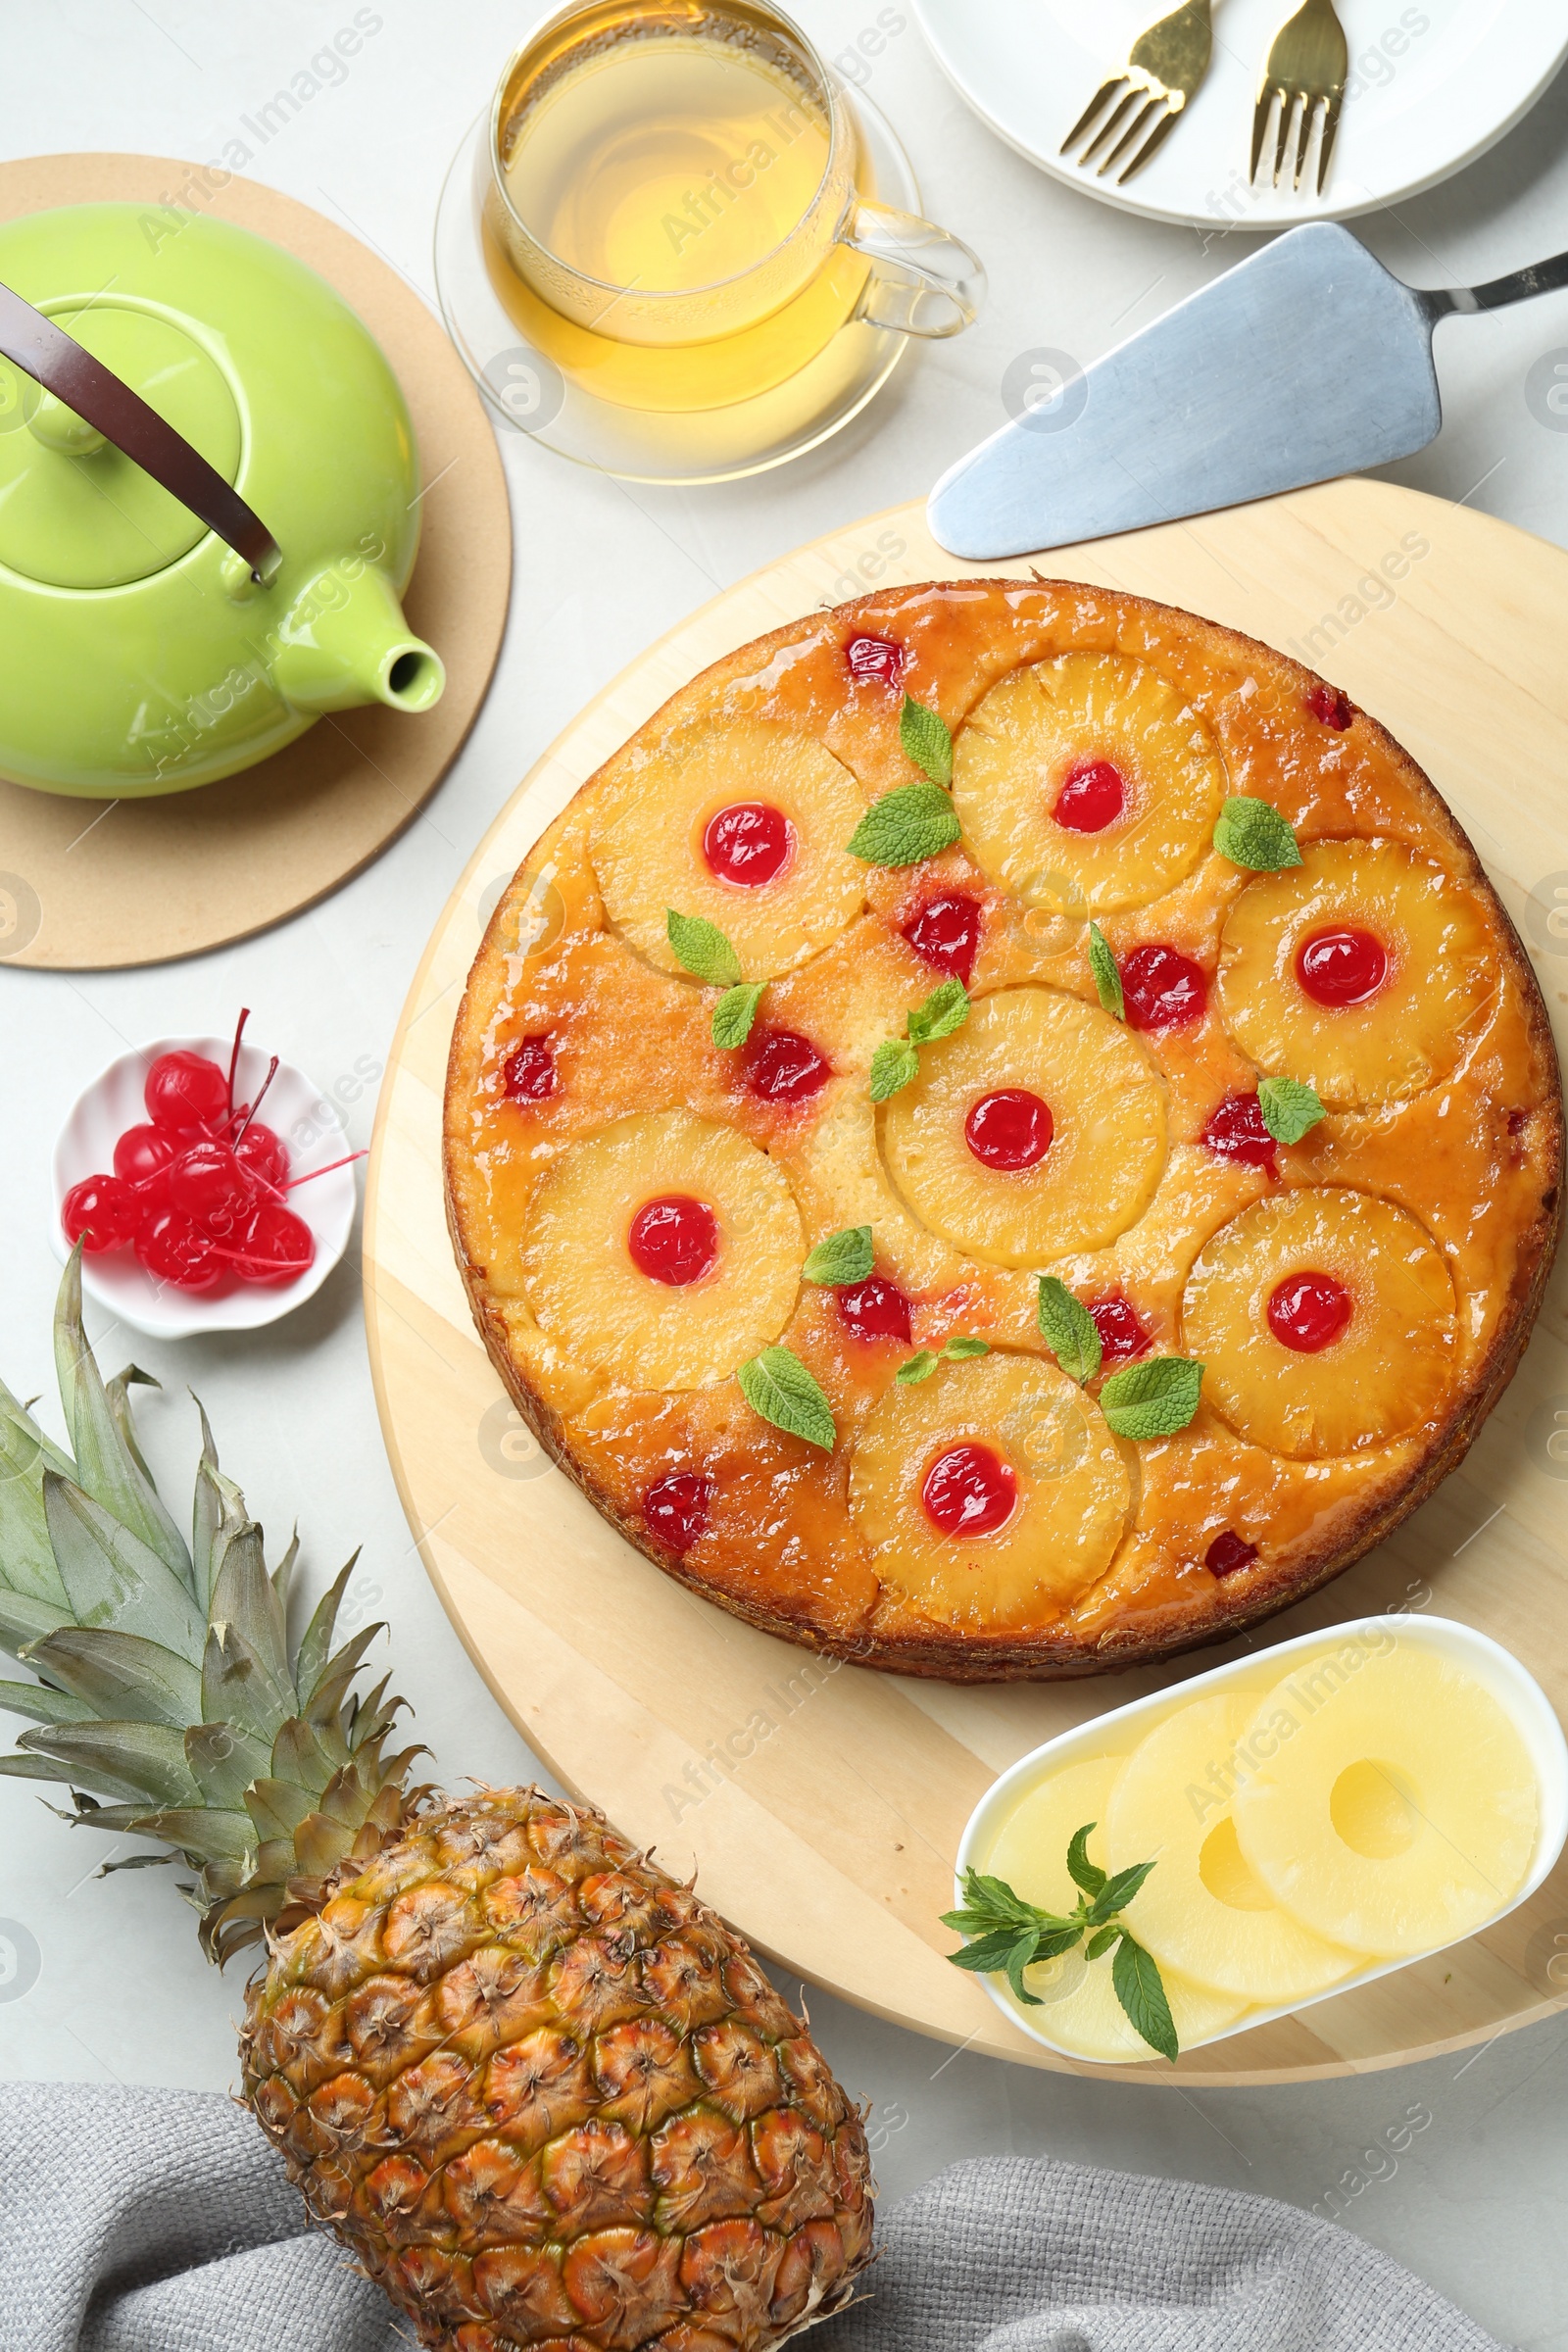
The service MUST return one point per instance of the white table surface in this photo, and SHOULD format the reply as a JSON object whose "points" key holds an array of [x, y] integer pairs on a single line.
{"points": [[1458, 2168]]}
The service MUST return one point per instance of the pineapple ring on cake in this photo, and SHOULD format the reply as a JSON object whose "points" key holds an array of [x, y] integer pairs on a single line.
{"points": [[664, 1251], [1401, 1809], [1036, 1129], [1087, 784], [1201, 1909], [1079, 2007], [1297, 1462], [1366, 972], [744, 826], [992, 1491], [1326, 1321]]}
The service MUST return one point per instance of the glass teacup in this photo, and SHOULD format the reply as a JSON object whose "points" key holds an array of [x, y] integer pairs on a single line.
{"points": [[676, 208]]}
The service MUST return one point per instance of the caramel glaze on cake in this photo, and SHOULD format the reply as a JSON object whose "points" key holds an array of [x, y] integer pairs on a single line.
{"points": [[1434, 1184]]}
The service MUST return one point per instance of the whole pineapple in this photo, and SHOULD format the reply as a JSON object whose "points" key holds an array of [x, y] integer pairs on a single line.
{"points": [[541, 2091]]}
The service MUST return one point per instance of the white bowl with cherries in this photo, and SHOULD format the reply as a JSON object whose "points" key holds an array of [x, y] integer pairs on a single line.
{"points": [[211, 1185]]}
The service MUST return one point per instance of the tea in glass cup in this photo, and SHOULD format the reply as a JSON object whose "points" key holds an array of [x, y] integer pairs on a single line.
{"points": [[676, 207]]}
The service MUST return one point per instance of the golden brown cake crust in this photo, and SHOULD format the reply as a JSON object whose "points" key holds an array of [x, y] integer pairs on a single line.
{"points": [[1476, 1157]]}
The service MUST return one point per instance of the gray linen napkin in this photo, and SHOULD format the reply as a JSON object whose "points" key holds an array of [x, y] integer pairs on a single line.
{"points": [[159, 2221]]}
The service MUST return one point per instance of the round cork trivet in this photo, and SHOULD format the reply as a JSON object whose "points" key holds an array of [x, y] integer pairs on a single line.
{"points": [[90, 884]]}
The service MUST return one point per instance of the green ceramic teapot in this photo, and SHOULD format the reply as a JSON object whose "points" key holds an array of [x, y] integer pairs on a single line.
{"points": [[170, 616]]}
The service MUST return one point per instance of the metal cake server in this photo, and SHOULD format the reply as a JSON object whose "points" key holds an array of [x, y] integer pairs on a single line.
{"points": [[1307, 360]]}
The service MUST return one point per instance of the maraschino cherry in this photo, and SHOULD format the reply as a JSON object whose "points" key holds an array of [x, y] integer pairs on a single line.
{"points": [[674, 1240], [675, 1509], [1342, 966], [1229, 1553], [782, 1066], [528, 1073], [1236, 1131], [143, 1152], [1162, 988], [946, 934], [1010, 1130], [874, 657], [874, 1309], [187, 1090], [1308, 1311], [750, 843], [199, 1189], [1123, 1333], [969, 1491], [1093, 796], [101, 1213]]}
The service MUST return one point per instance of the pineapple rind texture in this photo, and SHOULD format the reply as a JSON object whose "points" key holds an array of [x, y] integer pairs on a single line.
{"points": [[1107, 1151], [647, 852], [1075, 1491], [1199, 1910], [1080, 2008], [1023, 740], [168, 1679], [1441, 987], [592, 1300], [540, 2089], [531, 2083], [1392, 1369], [1399, 1812]]}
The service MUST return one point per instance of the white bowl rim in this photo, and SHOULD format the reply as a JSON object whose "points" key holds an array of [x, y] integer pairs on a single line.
{"points": [[1494, 1667], [195, 1312]]}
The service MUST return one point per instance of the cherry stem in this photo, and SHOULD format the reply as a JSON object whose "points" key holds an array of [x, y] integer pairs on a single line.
{"points": [[254, 1107], [267, 1265], [233, 1058], [327, 1171]]}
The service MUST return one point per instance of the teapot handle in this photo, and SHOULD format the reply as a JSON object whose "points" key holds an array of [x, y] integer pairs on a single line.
{"points": [[95, 393]]}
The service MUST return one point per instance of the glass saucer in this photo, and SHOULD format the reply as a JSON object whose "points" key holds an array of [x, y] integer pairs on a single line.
{"points": [[526, 393]]}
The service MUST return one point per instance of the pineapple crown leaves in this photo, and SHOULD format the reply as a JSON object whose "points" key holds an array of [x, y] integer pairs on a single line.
{"points": [[701, 949], [896, 1063], [1009, 1935], [167, 1682]]}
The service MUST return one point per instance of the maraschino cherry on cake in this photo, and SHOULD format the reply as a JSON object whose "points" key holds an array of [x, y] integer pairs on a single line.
{"points": [[1005, 1133]]}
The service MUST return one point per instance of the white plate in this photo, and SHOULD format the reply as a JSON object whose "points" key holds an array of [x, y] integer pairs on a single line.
{"points": [[1496, 1669], [295, 1109], [1432, 86]]}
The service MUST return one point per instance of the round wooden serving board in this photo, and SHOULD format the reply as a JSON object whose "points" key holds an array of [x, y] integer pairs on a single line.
{"points": [[90, 884], [828, 1834]]}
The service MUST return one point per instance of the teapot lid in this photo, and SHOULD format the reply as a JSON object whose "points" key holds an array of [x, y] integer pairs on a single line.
{"points": [[77, 512]]}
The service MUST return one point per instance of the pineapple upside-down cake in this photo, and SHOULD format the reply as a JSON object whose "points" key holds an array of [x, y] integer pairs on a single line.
{"points": [[1005, 1133]]}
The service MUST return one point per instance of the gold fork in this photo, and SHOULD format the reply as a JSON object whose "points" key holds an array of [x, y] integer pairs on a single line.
{"points": [[1163, 68], [1308, 64]]}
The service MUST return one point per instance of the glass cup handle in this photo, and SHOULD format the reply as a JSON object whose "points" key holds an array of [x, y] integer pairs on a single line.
{"points": [[922, 282]]}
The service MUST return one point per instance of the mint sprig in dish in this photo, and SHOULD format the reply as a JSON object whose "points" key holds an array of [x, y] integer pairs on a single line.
{"points": [[1009, 1936]]}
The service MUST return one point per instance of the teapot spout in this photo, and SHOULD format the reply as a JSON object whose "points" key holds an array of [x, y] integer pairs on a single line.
{"points": [[344, 642]]}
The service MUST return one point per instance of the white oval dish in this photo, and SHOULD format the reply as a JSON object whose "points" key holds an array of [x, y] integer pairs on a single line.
{"points": [[116, 1279], [1498, 1671]]}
